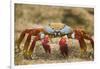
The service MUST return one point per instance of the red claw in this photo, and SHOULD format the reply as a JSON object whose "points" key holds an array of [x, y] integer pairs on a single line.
{"points": [[63, 46], [45, 44]]}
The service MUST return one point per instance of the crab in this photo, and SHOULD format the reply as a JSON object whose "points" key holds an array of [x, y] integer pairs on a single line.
{"points": [[52, 30]]}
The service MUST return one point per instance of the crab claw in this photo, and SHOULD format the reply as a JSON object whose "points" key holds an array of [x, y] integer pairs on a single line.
{"points": [[63, 46], [45, 44]]}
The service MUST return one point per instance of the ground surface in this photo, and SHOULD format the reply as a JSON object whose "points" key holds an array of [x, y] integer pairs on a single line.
{"points": [[40, 57]]}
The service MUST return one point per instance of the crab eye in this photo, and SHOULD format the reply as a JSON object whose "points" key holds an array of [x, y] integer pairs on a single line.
{"points": [[59, 33]]}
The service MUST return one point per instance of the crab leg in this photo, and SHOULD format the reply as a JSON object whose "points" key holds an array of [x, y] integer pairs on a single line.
{"points": [[91, 40], [79, 35], [26, 45], [82, 44], [31, 49], [22, 37]]}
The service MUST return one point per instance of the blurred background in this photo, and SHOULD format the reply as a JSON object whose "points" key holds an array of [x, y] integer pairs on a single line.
{"points": [[26, 15]]}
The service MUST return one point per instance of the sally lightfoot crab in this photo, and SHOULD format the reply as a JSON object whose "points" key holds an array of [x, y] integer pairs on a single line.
{"points": [[52, 30]]}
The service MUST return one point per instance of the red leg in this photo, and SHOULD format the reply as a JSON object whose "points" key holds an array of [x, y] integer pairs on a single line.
{"points": [[30, 32], [26, 45], [82, 44], [34, 32], [91, 40], [22, 37], [79, 35], [31, 49]]}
